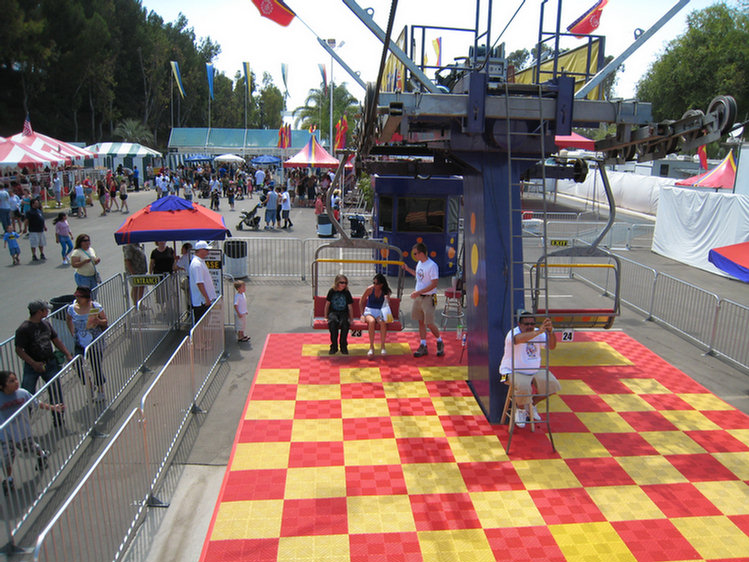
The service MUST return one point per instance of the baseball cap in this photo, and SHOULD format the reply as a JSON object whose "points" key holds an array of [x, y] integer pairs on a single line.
{"points": [[202, 245], [36, 306]]}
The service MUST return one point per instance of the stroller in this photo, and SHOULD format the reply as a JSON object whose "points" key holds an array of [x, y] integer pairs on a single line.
{"points": [[357, 226], [249, 219]]}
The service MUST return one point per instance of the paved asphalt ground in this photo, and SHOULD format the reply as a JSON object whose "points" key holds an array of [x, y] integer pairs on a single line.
{"points": [[192, 486]]}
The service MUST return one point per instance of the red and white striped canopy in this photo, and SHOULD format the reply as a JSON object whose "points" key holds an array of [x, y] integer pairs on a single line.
{"points": [[44, 144], [14, 154]]}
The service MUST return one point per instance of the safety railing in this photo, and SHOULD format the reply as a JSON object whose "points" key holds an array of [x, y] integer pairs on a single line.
{"points": [[685, 308], [123, 480], [731, 329], [58, 435], [97, 519], [88, 386]]}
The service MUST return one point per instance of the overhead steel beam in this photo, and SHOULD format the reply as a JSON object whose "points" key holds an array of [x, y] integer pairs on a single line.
{"points": [[367, 20], [614, 64]]}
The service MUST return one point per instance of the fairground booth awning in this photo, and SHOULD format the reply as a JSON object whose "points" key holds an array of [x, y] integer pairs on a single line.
{"points": [[721, 177], [733, 259], [123, 150], [313, 155]]}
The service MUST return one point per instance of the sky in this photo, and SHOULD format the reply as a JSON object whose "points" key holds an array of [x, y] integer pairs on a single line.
{"points": [[236, 25]]}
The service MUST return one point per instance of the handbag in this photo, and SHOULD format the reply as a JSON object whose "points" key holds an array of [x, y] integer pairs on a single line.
{"points": [[387, 314]]}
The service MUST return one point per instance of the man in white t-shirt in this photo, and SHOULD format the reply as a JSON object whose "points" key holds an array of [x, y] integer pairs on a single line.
{"points": [[202, 291], [523, 346], [425, 298], [259, 179]]}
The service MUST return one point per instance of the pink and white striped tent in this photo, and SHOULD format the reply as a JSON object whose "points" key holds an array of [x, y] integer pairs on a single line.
{"points": [[14, 154], [44, 144]]}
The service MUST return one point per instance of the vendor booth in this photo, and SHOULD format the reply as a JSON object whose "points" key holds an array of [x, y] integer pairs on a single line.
{"points": [[408, 210]]}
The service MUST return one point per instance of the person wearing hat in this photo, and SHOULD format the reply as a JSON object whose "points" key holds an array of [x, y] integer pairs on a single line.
{"points": [[523, 355], [202, 291], [34, 341]]}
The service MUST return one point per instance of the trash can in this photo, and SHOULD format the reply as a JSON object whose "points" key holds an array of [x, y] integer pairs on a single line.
{"points": [[235, 258], [324, 226], [57, 303]]}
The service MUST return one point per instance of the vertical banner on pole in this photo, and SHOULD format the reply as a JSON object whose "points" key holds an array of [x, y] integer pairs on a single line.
{"points": [[210, 71]]}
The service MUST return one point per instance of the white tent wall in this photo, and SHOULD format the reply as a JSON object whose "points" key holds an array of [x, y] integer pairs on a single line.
{"points": [[631, 191], [690, 223]]}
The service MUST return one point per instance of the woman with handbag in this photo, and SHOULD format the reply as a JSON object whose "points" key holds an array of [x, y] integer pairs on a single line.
{"points": [[83, 258], [375, 304]]}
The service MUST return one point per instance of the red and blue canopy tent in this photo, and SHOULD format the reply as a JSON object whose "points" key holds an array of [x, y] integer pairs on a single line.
{"points": [[721, 177], [313, 155], [172, 218], [733, 259]]}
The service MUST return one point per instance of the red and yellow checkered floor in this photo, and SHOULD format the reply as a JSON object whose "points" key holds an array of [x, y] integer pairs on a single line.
{"points": [[391, 460]]}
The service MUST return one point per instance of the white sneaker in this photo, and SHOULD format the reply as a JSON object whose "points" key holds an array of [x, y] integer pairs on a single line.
{"points": [[536, 415], [521, 416], [383, 352], [370, 353]]}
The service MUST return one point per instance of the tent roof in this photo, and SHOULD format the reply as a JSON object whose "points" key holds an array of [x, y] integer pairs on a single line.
{"points": [[122, 149], [313, 155], [43, 143], [172, 218], [574, 141], [733, 259], [723, 176], [15, 154]]}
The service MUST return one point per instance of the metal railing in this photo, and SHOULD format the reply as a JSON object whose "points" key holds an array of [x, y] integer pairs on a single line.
{"points": [[98, 520], [731, 329], [88, 386]]}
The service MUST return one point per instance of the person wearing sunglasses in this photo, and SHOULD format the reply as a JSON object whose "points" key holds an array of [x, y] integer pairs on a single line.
{"points": [[339, 310], [523, 346]]}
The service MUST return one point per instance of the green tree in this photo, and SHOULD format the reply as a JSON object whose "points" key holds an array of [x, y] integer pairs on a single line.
{"points": [[132, 130], [316, 110], [711, 58]]}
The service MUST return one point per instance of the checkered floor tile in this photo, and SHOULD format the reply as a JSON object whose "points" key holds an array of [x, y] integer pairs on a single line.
{"points": [[391, 460]]}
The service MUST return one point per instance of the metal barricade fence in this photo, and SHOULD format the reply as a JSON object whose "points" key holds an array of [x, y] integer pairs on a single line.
{"points": [[208, 344], [158, 313], [686, 308], [166, 408], [229, 293], [272, 257], [641, 236], [98, 518], [59, 435], [328, 271], [638, 286], [112, 295], [731, 329]]}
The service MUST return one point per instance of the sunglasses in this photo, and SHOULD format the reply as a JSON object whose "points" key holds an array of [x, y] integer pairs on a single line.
{"points": [[343, 282], [531, 323], [85, 239]]}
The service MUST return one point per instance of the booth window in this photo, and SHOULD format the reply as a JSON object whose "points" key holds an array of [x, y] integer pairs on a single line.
{"points": [[416, 214], [385, 219]]}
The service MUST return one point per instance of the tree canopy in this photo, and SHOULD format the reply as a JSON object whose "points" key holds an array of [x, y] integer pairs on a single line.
{"points": [[82, 86], [711, 58], [316, 109]]}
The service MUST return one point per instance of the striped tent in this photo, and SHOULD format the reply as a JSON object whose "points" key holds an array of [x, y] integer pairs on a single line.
{"points": [[313, 155], [123, 150], [44, 144], [14, 154]]}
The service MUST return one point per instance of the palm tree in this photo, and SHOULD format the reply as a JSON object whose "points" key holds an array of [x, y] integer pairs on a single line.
{"points": [[316, 109], [133, 130]]}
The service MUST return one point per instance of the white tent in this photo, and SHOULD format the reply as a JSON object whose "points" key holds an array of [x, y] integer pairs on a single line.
{"points": [[123, 150]]}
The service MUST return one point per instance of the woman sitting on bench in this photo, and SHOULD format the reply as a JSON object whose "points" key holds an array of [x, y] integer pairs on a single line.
{"points": [[372, 301]]}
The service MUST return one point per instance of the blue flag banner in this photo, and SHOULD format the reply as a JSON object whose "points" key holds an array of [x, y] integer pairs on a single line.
{"points": [[177, 77], [246, 67], [284, 73], [210, 71]]}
